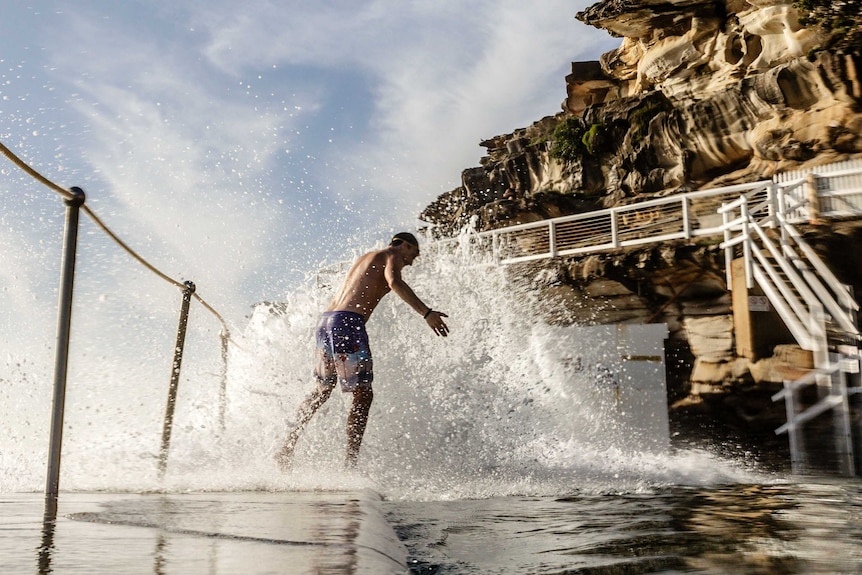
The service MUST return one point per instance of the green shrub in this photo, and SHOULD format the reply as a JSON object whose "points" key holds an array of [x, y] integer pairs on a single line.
{"points": [[839, 21], [567, 141], [593, 139], [640, 119]]}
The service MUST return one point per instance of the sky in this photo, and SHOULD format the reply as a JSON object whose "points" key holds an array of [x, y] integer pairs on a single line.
{"points": [[242, 146]]}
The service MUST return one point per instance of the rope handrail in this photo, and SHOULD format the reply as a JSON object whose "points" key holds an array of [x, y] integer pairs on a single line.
{"points": [[74, 199], [67, 195], [98, 221]]}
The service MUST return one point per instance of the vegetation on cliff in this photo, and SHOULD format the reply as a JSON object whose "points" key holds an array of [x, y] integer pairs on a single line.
{"points": [[704, 99], [840, 22]]}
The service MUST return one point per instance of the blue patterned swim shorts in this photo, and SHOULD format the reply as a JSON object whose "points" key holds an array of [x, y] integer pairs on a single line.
{"points": [[342, 353]]}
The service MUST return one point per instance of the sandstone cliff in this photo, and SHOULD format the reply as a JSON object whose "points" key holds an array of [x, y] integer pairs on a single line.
{"points": [[699, 94]]}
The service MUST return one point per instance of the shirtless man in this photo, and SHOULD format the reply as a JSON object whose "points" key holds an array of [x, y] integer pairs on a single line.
{"points": [[342, 353]]}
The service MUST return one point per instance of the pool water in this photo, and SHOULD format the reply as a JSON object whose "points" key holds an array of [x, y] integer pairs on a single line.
{"points": [[806, 527]]}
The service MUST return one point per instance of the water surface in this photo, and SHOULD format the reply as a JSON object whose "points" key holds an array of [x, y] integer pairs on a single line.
{"points": [[784, 528]]}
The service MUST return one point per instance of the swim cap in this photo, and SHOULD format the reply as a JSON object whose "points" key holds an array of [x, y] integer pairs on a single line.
{"points": [[406, 237]]}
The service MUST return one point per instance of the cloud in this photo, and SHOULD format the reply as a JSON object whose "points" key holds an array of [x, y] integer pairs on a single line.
{"points": [[237, 145], [185, 155], [442, 77], [230, 143], [432, 112]]}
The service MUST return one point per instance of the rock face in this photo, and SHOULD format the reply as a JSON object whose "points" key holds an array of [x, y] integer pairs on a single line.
{"points": [[699, 94], [718, 86]]}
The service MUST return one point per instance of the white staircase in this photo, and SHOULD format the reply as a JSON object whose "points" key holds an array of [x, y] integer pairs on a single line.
{"points": [[816, 308]]}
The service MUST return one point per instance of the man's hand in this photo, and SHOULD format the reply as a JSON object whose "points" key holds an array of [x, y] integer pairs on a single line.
{"points": [[435, 320]]}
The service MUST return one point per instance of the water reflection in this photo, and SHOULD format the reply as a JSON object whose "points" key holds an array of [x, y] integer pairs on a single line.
{"points": [[49, 523], [778, 528], [320, 533], [243, 533], [742, 529], [47, 545], [769, 529], [734, 529]]}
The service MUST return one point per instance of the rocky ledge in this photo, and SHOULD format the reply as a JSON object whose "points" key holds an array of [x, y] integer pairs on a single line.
{"points": [[699, 94]]}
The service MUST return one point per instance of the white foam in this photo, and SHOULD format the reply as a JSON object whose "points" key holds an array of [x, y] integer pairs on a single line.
{"points": [[484, 412]]}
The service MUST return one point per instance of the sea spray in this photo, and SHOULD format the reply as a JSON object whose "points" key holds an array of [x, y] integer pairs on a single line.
{"points": [[496, 408], [490, 410]]}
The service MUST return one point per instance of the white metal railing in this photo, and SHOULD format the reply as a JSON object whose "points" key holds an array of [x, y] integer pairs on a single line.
{"points": [[807, 296], [795, 280], [837, 189], [835, 398]]}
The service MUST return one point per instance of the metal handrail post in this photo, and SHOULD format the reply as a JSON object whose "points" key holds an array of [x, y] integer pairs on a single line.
{"points": [[728, 249], [175, 377], [615, 233], [746, 246], [222, 395], [772, 206], [61, 362], [686, 217]]}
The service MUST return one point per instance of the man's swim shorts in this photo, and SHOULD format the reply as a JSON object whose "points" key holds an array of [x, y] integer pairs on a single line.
{"points": [[342, 353]]}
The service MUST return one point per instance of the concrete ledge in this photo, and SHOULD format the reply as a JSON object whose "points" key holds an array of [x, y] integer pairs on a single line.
{"points": [[213, 533]]}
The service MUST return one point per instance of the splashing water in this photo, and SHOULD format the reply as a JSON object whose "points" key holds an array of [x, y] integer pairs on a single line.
{"points": [[482, 413]]}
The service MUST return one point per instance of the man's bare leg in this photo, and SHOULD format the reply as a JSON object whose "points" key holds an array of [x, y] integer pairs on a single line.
{"points": [[303, 415], [356, 421]]}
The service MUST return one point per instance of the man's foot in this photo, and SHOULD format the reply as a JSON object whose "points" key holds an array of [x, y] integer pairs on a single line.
{"points": [[350, 462], [284, 457]]}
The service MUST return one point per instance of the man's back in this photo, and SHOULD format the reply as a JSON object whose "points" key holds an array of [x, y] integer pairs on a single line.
{"points": [[365, 284]]}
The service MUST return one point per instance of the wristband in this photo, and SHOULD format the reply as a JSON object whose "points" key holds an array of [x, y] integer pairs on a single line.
{"points": [[427, 313]]}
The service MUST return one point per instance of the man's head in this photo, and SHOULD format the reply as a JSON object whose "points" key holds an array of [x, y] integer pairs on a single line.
{"points": [[407, 244], [404, 237]]}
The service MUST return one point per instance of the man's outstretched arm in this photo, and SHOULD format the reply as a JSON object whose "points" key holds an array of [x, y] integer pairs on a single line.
{"points": [[433, 318]]}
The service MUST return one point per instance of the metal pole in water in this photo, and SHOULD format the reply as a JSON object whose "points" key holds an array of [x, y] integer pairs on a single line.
{"points": [[175, 377], [61, 362], [222, 396]]}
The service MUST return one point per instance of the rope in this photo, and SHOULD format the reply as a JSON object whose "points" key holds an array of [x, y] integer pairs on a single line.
{"points": [[21, 164], [75, 197], [69, 195], [209, 308], [151, 267], [128, 249]]}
